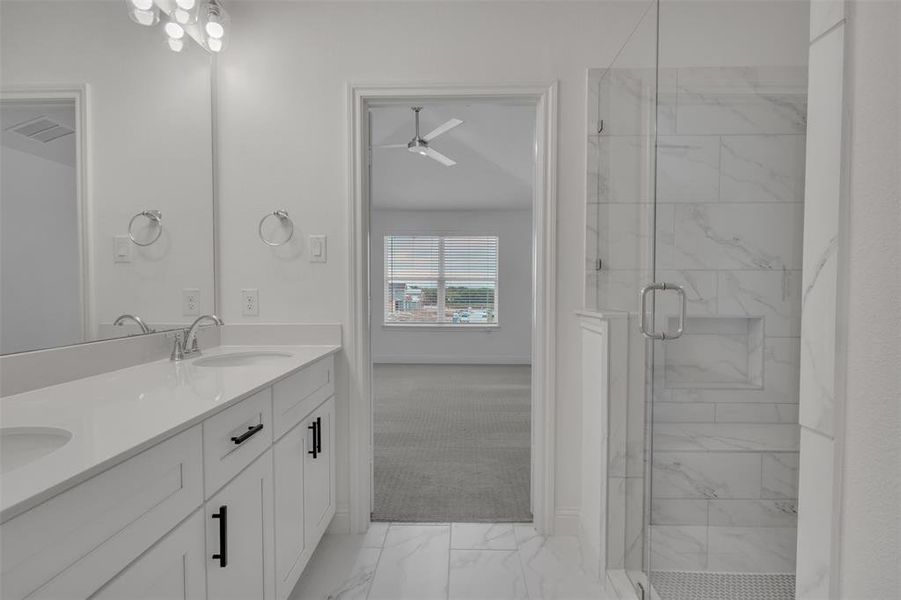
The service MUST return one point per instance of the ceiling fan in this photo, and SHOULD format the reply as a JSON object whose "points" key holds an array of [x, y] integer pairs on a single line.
{"points": [[420, 144]]}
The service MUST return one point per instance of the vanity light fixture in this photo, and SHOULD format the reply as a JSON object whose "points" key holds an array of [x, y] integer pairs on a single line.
{"points": [[176, 44], [217, 21], [185, 12], [143, 12], [204, 21], [174, 30], [214, 27]]}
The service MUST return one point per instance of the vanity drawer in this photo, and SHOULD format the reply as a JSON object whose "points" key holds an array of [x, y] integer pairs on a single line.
{"points": [[234, 437], [296, 396], [80, 539]]}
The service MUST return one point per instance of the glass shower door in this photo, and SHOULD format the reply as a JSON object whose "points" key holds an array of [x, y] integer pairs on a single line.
{"points": [[723, 318]]}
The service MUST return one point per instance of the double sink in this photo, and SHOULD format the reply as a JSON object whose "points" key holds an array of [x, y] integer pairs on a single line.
{"points": [[20, 446]]}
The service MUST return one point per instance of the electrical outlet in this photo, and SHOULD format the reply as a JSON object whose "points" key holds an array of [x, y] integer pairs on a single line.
{"points": [[250, 303], [317, 248], [190, 302]]}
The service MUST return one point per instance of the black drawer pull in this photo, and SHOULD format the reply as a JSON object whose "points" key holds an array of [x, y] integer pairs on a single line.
{"points": [[253, 430], [222, 556], [319, 435], [315, 450]]}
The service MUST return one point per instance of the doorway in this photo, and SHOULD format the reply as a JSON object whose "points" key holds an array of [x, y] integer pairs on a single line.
{"points": [[473, 304], [44, 216], [451, 288]]}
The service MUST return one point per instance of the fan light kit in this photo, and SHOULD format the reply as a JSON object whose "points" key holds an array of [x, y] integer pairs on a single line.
{"points": [[420, 144], [204, 21]]}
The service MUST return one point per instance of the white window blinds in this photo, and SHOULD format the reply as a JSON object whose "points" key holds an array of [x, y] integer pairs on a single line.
{"points": [[445, 280]]}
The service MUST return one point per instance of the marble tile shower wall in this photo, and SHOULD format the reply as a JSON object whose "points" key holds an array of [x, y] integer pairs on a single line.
{"points": [[728, 223]]}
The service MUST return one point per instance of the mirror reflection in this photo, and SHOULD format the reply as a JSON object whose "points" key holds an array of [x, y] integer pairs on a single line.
{"points": [[106, 208]]}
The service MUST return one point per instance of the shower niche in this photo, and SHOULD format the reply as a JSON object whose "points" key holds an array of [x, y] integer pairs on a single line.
{"points": [[714, 353]]}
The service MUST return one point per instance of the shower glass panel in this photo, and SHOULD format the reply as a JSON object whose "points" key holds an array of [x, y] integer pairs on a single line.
{"points": [[620, 249], [723, 428]]}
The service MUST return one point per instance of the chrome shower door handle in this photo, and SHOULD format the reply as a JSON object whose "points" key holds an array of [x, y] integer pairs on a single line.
{"points": [[663, 335], [643, 321]]}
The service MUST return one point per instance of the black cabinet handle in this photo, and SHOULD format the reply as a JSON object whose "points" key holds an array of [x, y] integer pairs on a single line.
{"points": [[315, 450], [251, 431], [222, 556], [319, 435]]}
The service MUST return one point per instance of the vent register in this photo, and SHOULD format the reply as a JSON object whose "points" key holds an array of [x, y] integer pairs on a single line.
{"points": [[41, 129]]}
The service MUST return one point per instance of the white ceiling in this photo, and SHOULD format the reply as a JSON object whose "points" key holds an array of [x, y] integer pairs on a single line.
{"points": [[494, 149]]}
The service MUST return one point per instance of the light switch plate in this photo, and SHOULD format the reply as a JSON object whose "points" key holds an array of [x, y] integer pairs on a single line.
{"points": [[318, 248], [250, 302], [190, 302], [121, 249]]}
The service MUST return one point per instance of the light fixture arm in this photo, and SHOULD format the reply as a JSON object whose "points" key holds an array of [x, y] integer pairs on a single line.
{"points": [[416, 110]]}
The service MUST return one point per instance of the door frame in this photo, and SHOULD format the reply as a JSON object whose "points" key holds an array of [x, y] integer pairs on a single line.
{"points": [[76, 93], [544, 218]]}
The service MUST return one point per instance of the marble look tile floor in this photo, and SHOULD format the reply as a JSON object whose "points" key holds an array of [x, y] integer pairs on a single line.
{"points": [[474, 561]]}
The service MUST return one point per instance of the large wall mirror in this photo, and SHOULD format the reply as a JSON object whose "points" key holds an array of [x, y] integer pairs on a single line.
{"points": [[106, 202]]}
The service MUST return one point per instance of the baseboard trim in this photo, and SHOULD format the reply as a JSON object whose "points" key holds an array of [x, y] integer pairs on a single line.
{"points": [[418, 359], [566, 521], [620, 586], [591, 559], [340, 522]]}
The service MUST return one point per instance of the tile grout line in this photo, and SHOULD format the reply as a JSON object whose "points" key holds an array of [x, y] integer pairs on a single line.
{"points": [[450, 546], [375, 569], [378, 561]]}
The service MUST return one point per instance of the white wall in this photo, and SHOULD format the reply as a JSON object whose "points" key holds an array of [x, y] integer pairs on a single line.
{"points": [[510, 342], [849, 529], [149, 133], [283, 143], [41, 287], [870, 563], [744, 32]]}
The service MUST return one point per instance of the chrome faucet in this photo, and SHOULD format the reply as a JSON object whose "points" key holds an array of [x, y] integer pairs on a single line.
{"points": [[188, 345], [120, 320]]}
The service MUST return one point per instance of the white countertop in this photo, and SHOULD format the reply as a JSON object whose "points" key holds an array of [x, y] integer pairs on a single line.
{"points": [[115, 415]]}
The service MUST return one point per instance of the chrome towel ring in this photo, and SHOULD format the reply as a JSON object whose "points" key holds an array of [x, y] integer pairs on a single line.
{"points": [[156, 217], [285, 220]]}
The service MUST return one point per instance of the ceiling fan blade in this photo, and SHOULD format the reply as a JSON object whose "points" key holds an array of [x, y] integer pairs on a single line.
{"points": [[441, 129], [432, 153], [391, 146]]}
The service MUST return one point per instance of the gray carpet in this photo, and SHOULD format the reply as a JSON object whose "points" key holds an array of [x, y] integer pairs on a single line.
{"points": [[452, 443]]}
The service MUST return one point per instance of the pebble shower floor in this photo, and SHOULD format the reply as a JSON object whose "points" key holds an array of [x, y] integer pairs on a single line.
{"points": [[692, 585]]}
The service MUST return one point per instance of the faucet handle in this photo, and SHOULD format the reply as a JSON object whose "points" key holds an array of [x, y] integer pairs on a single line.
{"points": [[178, 350]]}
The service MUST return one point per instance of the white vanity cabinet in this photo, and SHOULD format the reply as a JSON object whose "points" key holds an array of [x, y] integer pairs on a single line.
{"points": [[319, 473], [230, 508], [304, 470], [173, 569], [291, 553], [74, 543], [239, 535]]}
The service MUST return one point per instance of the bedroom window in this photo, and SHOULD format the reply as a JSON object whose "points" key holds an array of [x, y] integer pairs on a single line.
{"points": [[441, 280]]}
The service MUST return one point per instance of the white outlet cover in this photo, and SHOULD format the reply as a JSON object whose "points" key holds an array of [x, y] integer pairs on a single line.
{"points": [[190, 302], [250, 302]]}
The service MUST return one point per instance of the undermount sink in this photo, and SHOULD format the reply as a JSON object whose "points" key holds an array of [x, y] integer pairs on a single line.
{"points": [[241, 359], [22, 445]]}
